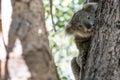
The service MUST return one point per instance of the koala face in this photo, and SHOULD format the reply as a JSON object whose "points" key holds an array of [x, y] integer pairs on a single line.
{"points": [[82, 22]]}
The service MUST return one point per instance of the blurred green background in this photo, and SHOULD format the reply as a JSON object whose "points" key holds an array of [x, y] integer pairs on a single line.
{"points": [[62, 45]]}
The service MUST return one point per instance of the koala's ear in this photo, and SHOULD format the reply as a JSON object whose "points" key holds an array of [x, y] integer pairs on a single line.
{"points": [[90, 7], [68, 25]]}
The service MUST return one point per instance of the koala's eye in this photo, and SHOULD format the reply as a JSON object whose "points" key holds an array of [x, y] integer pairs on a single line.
{"points": [[88, 17]]}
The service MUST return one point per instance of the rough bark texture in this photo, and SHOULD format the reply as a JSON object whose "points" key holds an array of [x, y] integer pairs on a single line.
{"points": [[104, 56], [28, 25]]}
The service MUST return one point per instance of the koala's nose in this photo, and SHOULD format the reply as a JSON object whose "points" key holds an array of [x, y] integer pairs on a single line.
{"points": [[88, 26]]}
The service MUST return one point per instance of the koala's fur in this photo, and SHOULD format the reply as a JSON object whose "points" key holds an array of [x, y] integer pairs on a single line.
{"points": [[81, 27]]}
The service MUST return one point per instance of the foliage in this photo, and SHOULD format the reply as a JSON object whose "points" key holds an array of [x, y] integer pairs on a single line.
{"points": [[63, 47]]}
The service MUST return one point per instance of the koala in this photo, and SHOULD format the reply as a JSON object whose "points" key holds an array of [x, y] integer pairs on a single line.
{"points": [[82, 21], [81, 27]]}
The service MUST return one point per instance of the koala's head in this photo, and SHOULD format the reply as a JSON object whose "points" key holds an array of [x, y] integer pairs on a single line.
{"points": [[82, 21]]}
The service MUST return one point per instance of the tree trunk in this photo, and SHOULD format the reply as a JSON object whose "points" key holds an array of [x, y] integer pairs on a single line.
{"points": [[28, 35], [103, 62]]}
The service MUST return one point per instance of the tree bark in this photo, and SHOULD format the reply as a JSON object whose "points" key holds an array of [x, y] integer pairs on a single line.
{"points": [[103, 62], [28, 28]]}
